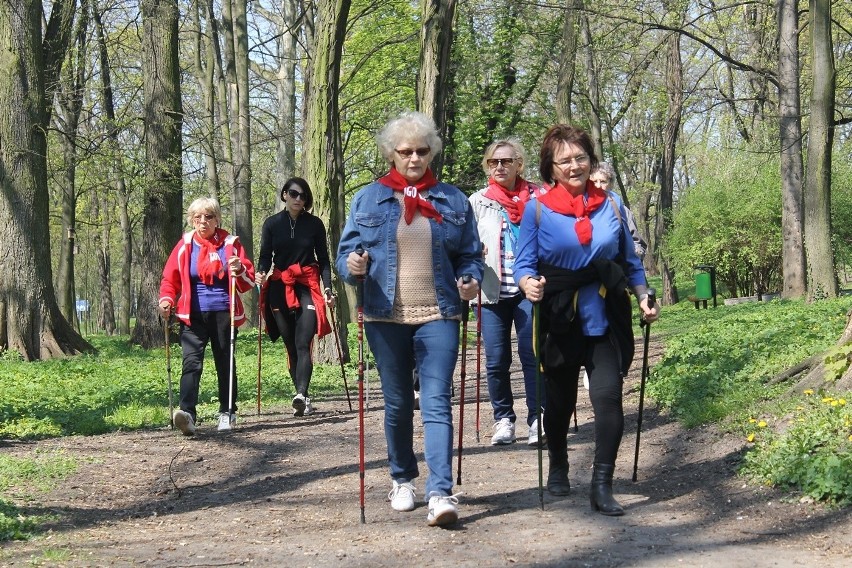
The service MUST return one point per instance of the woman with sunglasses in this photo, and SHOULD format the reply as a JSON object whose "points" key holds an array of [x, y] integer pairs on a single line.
{"points": [[420, 242], [576, 257], [196, 287], [294, 272], [498, 209]]}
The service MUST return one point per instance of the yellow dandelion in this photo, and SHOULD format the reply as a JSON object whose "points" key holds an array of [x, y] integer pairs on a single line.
{"points": [[850, 437], [762, 424], [752, 420], [842, 402], [751, 437], [834, 403], [827, 399], [808, 392]]}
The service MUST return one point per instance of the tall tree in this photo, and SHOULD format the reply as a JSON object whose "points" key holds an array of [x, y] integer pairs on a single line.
{"points": [[322, 154], [30, 320], [436, 39], [822, 280], [792, 168], [567, 55], [163, 118]]}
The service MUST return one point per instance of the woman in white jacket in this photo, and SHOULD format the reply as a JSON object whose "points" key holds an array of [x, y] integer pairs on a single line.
{"points": [[498, 209]]}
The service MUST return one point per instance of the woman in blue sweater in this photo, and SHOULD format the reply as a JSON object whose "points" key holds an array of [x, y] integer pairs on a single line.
{"points": [[576, 257]]}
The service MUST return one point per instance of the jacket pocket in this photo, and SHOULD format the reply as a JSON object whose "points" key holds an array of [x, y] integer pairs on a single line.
{"points": [[371, 227]]}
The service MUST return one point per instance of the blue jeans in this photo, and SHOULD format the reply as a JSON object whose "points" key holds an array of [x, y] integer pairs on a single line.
{"points": [[433, 347], [497, 322]]}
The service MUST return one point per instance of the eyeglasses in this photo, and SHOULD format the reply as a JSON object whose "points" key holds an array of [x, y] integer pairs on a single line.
{"points": [[204, 217], [407, 153], [494, 162], [296, 194], [580, 160]]}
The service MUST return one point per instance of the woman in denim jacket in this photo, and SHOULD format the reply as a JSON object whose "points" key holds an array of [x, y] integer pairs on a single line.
{"points": [[419, 239]]}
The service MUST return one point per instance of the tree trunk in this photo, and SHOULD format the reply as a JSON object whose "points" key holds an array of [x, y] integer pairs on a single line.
{"points": [[205, 72], [121, 191], [30, 320], [792, 169], [671, 131], [436, 39], [162, 214], [322, 157], [567, 55], [822, 280], [593, 91], [285, 163]]}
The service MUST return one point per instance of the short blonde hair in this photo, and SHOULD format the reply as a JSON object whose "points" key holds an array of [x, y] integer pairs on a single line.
{"points": [[204, 205], [407, 126], [517, 150]]}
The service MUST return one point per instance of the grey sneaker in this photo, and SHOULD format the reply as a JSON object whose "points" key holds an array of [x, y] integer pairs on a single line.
{"points": [[227, 420], [402, 496], [504, 432], [442, 509], [299, 405], [184, 422]]}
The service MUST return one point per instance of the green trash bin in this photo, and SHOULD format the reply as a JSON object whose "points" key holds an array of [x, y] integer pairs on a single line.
{"points": [[703, 288]]}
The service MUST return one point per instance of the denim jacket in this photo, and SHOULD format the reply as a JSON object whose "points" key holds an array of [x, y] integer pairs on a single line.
{"points": [[373, 218]]}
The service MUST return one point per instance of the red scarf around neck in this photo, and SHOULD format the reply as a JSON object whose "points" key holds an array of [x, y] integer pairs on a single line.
{"points": [[413, 202], [209, 264], [512, 201], [559, 199]]}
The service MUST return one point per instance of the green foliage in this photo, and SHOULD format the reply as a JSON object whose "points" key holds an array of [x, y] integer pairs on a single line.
{"points": [[124, 387], [731, 218], [717, 364], [811, 453]]}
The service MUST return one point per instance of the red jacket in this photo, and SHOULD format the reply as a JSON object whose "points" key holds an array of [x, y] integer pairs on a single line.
{"points": [[176, 276]]}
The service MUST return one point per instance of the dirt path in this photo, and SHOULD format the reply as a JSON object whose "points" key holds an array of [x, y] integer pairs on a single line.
{"points": [[284, 491]]}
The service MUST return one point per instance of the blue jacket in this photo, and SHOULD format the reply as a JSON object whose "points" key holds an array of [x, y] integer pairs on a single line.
{"points": [[373, 218]]}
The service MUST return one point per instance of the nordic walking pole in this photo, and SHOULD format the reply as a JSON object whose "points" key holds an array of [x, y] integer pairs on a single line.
{"points": [[359, 302], [537, 348], [259, 340], [465, 307], [169, 373], [233, 338], [646, 327], [478, 355], [340, 355]]}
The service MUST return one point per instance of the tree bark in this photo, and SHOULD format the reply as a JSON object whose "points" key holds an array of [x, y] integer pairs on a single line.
{"points": [[322, 156], [567, 55], [30, 321], [822, 280], [162, 214], [436, 39], [792, 168], [285, 163]]}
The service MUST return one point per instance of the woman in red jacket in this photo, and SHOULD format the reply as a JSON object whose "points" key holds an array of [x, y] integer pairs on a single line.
{"points": [[195, 286]]}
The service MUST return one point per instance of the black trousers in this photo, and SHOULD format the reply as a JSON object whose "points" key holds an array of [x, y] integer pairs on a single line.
{"points": [[601, 359], [298, 328], [213, 328]]}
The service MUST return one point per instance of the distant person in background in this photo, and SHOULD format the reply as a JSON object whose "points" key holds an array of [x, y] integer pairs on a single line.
{"points": [[196, 286], [294, 272], [498, 209], [602, 176]]}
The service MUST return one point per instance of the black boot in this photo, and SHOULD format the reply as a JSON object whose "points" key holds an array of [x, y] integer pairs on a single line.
{"points": [[600, 496], [557, 475]]}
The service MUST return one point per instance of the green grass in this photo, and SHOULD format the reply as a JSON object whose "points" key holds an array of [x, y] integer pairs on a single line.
{"points": [[26, 477]]}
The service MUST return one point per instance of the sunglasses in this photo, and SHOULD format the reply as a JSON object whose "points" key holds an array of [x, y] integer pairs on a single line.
{"points": [[419, 151], [296, 194], [205, 217], [494, 162]]}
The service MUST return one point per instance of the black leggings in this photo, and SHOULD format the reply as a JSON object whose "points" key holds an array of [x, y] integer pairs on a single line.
{"points": [[605, 391], [298, 329], [204, 328]]}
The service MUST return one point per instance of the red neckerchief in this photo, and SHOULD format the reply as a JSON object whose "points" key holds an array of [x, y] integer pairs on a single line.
{"points": [[308, 276], [581, 206], [512, 201], [413, 202], [209, 264]]}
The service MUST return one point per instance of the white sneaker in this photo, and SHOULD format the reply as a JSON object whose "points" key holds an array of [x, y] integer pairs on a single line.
{"points": [[309, 408], [504, 432], [299, 405], [442, 509], [402, 496], [227, 420], [532, 439], [184, 422], [416, 400], [585, 378]]}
